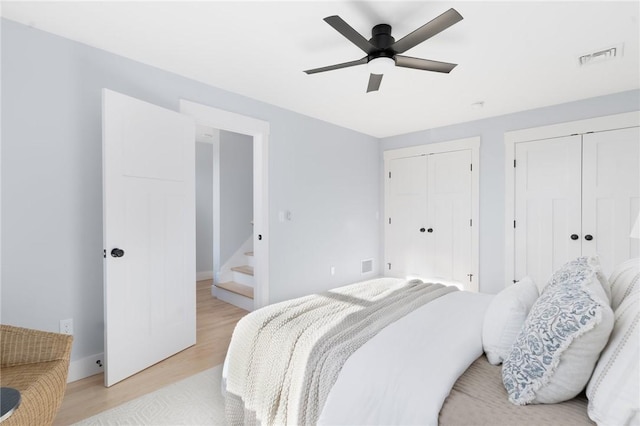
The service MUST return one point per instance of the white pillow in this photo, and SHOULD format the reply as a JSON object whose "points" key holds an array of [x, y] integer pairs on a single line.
{"points": [[504, 318], [614, 397], [557, 349], [625, 279]]}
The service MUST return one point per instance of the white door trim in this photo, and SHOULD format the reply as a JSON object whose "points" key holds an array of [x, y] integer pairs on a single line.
{"points": [[259, 130], [598, 124], [433, 148], [472, 144], [216, 204]]}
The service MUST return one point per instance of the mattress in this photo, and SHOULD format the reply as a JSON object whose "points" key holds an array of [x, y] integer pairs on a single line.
{"points": [[479, 398]]}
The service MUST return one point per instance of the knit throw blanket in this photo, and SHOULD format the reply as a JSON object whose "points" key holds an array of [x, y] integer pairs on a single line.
{"points": [[283, 359]]}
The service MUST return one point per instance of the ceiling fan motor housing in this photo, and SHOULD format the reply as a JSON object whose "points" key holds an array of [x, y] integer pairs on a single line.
{"points": [[382, 40]]}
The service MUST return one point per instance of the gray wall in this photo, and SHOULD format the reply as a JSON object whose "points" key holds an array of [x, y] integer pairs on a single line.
{"points": [[236, 192], [204, 207], [51, 183], [492, 184]]}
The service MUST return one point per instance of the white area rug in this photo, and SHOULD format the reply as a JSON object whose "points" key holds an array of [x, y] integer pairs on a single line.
{"points": [[196, 400]]}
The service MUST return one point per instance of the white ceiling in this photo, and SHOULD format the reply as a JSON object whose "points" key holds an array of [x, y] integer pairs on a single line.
{"points": [[513, 56]]}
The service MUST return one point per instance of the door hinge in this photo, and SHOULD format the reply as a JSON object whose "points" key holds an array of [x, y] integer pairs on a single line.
{"points": [[389, 264], [389, 175], [514, 223], [514, 162], [471, 167], [389, 221], [104, 253], [470, 222], [470, 277]]}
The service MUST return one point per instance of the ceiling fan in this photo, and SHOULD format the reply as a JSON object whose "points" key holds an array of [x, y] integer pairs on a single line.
{"points": [[383, 52]]}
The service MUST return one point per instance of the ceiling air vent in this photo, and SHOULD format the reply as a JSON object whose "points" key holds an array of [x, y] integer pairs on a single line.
{"points": [[603, 55]]}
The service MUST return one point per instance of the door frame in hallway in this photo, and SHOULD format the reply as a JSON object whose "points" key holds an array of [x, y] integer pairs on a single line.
{"points": [[224, 120]]}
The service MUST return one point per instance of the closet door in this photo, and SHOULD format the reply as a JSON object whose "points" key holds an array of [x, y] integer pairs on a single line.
{"points": [[547, 206], [428, 230], [405, 248], [449, 215], [611, 189]]}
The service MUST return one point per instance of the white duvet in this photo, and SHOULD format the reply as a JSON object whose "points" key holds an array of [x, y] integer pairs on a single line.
{"points": [[403, 374]]}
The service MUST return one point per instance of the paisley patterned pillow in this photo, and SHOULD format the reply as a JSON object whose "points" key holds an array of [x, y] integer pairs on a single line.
{"points": [[558, 346]]}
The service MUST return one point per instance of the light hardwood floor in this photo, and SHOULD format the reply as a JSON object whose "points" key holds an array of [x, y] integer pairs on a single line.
{"points": [[215, 322]]}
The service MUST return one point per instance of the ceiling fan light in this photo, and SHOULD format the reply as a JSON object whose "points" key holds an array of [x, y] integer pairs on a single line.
{"points": [[381, 65]]}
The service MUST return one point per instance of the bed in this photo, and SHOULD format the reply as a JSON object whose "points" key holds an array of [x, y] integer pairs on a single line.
{"points": [[392, 351]]}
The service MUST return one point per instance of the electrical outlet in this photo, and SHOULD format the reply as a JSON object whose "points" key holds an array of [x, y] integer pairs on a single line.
{"points": [[66, 326]]}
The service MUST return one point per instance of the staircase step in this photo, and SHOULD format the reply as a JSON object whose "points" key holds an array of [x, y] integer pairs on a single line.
{"points": [[244, 269], [234, 287]]}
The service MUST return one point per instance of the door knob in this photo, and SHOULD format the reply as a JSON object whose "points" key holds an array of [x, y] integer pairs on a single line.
{"points": [[430, 230], [116, 252], [588, 237], [421, 229], [574, 236]]}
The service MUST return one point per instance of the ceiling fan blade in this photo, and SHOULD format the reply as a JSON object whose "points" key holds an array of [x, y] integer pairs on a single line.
{"points": [[352, 35], [427, 31], [374, 82], [424, 64], [338, 66]]}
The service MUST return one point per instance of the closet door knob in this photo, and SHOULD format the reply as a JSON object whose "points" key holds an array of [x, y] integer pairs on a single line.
{"points": [[430, 230], [422, 229], [588, 237], [574, 236]]}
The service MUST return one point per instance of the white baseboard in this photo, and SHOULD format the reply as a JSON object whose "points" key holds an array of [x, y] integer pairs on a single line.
{"points": [[204, 275], [85, 367]]}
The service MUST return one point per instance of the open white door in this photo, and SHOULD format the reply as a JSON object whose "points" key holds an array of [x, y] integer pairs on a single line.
{"points": [[149, 234]]}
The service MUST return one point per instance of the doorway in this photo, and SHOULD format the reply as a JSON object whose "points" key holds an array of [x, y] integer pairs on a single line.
{"points": [[258, 130], [224, 214]]}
